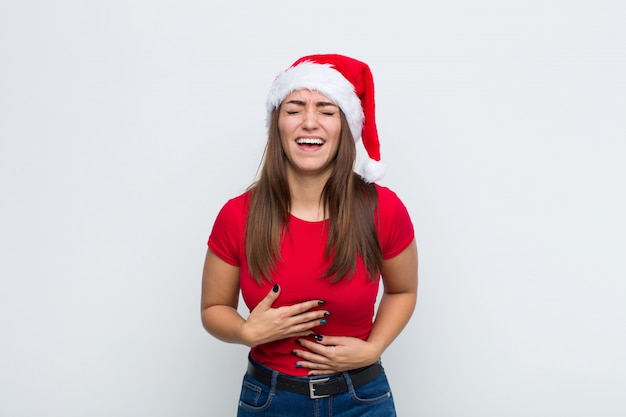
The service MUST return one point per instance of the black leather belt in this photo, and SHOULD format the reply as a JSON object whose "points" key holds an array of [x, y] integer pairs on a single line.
{"points": [[316, 387]]}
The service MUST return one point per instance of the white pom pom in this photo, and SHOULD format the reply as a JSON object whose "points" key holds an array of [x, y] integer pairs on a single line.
{"points": [[373, 171]]}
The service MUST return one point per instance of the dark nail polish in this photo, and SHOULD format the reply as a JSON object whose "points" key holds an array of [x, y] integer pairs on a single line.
{"points": [[298, 365], [294, 353], [321, 303], [275, 289], [318, 337], [322, 321], [298, 341], [327, 314]]}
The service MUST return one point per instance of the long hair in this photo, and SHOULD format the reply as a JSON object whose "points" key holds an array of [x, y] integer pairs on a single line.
{"points": [[349, 201]]}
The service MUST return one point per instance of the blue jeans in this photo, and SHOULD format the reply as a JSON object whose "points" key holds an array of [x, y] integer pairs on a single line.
{"points": [[372, 399]]}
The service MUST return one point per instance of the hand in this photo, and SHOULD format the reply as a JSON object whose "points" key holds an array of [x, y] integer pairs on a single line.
{"points": [[332, 354], [266, 324]]}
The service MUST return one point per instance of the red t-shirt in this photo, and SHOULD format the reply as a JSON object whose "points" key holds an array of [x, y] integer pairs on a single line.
{"points": [[349, 301]]}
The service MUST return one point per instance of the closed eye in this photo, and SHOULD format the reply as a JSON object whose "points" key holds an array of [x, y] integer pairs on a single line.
{"points": [[328, 109]]}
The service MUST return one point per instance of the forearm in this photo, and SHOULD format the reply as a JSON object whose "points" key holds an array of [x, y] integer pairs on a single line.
{"points": [[224, 323], [394, 312], [398, 301]]}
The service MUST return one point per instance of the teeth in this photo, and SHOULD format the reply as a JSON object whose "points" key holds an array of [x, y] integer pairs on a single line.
{"points": [[310, 141]]}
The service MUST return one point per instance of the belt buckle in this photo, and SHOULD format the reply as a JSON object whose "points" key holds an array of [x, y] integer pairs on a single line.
{"points": [[312, 384]]}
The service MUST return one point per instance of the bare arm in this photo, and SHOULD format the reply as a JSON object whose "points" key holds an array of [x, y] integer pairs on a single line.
{"points": [[220, 296], [398, 300], [337, 354]]}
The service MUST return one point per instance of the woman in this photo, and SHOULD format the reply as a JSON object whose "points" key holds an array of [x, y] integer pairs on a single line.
{"points": [[306, 245]]}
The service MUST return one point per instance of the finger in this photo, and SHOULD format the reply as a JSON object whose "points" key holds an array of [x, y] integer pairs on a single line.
{"points": [[269, 299], [313, 346], [316, 368], [324, 372], [309, 358], [327, 340], [302, 329], [306, 306], [310, 319], [314, 365]]}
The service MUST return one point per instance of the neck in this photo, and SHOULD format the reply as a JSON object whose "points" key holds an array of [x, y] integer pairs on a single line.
{"points": [[306, 194]]}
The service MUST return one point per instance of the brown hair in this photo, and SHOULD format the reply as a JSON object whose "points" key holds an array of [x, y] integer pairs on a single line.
{"points": [[349, 201]]}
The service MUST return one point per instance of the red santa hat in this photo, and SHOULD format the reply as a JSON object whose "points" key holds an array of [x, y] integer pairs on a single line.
{"points": [[350, 85]]}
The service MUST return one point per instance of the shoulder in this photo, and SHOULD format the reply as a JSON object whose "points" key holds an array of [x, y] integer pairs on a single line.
{"points": [[394, 226], [385, 192], [234, 211], [388, 200], [238, 204], [227, 236]]}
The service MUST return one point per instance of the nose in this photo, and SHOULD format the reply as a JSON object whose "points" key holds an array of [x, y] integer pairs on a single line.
{"points": [[310, 119]]}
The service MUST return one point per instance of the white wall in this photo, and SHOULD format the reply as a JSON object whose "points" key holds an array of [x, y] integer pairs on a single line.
{"points": [[124, 126]]}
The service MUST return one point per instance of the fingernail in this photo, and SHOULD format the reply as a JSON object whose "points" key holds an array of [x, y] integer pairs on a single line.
{"points": [[298, 341], [298, 365], [321, 303], [322, 321], [294, 353], [327, 314], [318, 337], [275, 289]]}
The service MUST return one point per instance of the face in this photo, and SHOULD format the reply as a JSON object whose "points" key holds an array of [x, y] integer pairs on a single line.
{"points": [[309, 125]]}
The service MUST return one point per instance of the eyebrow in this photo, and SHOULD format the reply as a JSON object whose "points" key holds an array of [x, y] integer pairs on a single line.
{"points": [[318, 104]]}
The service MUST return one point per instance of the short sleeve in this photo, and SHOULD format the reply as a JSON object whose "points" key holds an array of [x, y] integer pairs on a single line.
{"points": [[395, 228], [227, 236]]}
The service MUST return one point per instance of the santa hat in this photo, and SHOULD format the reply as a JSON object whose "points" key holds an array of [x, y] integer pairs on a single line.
{"points": [[349, 84]]}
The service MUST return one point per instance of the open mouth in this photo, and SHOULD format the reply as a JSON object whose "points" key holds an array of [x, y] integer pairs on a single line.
{"points": [[310, 142]]}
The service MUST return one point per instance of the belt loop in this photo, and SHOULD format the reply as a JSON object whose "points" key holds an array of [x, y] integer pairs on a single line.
{"points": [[274, 382], [348, 379]]}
